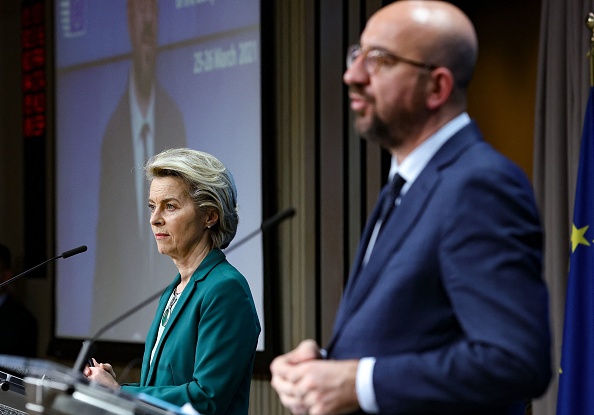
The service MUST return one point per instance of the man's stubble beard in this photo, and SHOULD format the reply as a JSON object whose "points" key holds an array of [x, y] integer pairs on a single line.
{"points": [[377, 132]]}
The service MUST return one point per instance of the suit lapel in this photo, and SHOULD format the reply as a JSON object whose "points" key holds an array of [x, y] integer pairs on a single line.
{"points": [[361, 249], [358, 261], [398, 226], [151, 336], [393, 235], [208, 264]]}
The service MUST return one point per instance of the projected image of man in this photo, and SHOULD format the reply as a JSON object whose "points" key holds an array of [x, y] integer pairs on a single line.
{"points": [[146, 121]]}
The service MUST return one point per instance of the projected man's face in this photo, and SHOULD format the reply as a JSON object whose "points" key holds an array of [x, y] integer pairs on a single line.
{"points": [[142, 27]]}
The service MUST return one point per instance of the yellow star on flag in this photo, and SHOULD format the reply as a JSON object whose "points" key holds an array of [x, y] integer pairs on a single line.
{"points": [[577, 237]]}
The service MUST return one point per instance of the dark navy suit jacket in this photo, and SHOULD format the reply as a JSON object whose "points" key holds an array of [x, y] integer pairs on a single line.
{"points": [[452, 303]]}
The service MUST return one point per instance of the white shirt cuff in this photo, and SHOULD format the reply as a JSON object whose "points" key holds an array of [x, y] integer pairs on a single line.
{"points": [[364, 385]]}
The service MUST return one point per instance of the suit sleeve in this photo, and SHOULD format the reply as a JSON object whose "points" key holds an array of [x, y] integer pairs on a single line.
{"points": [[490, 267]]}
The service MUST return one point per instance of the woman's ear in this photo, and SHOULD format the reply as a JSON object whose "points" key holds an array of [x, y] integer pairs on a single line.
{"points": [[212, 218]]}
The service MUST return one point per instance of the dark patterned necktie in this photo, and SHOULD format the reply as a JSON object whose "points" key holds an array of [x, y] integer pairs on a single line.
{"points": [[144, 230], [391, 192], [387, 200]]}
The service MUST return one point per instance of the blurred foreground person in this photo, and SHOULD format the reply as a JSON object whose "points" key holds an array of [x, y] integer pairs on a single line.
{"points": [[445, 310]]}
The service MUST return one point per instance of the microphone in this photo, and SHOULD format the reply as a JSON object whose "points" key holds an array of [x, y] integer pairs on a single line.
{"points": [[88, 346], [74, 251], [267, 224], [65, 254]]}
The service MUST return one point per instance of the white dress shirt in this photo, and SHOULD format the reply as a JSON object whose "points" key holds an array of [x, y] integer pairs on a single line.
{"points": [[142, 151]]}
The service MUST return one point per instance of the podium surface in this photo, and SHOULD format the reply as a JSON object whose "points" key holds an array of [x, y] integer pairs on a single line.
{"points": [[39, 387]]}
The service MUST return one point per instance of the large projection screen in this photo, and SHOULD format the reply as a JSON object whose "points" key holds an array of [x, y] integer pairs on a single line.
{"points": [[207, 97]]}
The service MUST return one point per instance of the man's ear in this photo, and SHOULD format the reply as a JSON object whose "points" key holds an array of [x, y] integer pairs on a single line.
{"points": [[440, 87]]}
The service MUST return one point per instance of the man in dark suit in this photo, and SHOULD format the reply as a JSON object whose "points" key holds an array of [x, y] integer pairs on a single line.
{"points": [[445, 310], [145, 122], [18, 327]]}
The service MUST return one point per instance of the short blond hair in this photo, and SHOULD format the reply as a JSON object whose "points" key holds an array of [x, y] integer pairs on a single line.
{"points": [[210, 185]]}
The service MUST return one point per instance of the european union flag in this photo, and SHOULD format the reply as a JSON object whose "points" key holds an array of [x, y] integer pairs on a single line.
{"points": [[576, 379]]}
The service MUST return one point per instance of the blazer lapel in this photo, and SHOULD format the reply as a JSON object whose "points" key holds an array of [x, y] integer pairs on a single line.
{"points": [[362, 248], [151, 336], [212, 260], [398, 226], [357, 262]]}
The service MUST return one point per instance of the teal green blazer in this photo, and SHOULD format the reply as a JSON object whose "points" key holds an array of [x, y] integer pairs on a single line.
{"points": [[206, 353]]}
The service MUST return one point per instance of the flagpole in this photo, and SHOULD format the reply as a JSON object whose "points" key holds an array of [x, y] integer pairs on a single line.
{"points": [[590, 25], [576, 372]]}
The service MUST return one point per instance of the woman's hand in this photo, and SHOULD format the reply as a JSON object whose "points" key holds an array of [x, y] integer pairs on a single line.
{"points": [[101, 373]]}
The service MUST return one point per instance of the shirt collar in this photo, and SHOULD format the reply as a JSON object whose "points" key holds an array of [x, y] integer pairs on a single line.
{"points": [[412, 166]]}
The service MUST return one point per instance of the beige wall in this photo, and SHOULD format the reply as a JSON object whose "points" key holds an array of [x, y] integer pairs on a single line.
{"points": [[502, 95]]}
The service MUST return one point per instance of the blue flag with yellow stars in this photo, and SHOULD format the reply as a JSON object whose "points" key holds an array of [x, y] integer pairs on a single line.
{"points": [[576, 375]]}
